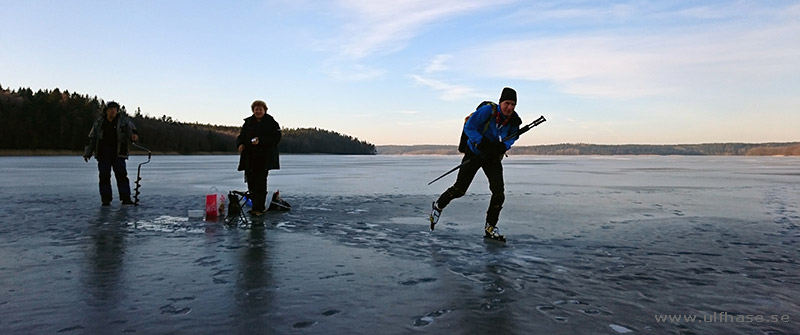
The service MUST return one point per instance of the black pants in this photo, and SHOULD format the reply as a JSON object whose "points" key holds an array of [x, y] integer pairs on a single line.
{"points": [[257, 185], [493, 169], [107, 161]]}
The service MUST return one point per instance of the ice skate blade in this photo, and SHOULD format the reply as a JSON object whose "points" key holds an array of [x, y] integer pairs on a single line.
{"points": [[499, 240]]}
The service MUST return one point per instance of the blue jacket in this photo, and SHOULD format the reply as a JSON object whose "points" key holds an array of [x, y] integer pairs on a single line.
{"points": [[474, 128]]}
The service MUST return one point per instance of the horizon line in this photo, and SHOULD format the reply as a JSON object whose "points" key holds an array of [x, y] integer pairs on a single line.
{"points": [[584, 143]]}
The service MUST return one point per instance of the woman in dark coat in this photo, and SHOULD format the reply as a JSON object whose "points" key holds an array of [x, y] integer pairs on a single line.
{"points": [[258, 147]]}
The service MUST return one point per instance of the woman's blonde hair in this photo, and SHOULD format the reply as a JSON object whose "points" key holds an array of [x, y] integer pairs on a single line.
{"points": [[258, 103]]}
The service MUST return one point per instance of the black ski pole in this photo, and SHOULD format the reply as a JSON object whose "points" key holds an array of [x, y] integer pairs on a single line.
{"points": [[139, 174], [515, 134]]}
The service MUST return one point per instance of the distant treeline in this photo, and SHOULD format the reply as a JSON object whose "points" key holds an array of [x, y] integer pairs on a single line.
{"points": [[55, 120], [708, 149]]}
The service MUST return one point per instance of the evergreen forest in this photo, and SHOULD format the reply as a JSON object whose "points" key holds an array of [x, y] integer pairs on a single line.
{"points": [[55, 120]]}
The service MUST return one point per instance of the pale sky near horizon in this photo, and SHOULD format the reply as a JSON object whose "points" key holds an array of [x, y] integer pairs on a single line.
{"points": [[407, 72]]}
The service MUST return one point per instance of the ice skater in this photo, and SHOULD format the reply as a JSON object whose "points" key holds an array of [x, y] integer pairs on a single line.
{"points": [[485, 130], [258, 147], [109, 141]]}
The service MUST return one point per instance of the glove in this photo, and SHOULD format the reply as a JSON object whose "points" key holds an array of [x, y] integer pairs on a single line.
{"points": [[485, 147], [499, 148], [492, 148]]}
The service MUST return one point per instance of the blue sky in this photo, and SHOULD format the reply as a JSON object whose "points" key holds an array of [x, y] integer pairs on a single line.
{"points": [[407, 72]]}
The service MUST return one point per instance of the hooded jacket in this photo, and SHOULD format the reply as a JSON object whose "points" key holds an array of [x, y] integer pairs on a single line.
{"points": [[125, 128], [264, 155]]}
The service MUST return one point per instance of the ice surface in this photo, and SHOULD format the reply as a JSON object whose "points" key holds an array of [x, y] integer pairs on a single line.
{"points": [[597, 245]]}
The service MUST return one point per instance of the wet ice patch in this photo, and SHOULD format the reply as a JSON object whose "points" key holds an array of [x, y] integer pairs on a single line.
{"points": [[331, 312], [304, 324], [168, 224], [337, 275], [412, 282], [573, 302], [69, 329]]}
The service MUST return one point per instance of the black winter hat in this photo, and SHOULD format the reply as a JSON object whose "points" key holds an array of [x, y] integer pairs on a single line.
{"points": [[508, 94], [111, 104]]}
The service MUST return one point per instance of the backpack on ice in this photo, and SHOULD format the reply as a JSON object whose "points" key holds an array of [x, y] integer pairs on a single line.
{"points": [[278, 204], [463, 147]]}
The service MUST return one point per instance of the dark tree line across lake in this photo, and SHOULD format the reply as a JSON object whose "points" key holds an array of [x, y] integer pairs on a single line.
{"points": [[572, 149], [61, 120]]}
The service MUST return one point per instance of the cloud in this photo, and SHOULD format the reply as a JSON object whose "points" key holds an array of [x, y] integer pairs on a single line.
{"points": [[596, 66], [438, 64], [650, 13], [365, 28], [449, 92], [385, 26], [564, 11], [631, 64]]}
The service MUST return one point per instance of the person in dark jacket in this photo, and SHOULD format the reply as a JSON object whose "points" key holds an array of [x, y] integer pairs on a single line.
{"points": [[258, 147], [485, 129], [109, 141]]}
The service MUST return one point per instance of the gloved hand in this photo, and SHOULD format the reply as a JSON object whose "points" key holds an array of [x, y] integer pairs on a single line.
{"points": [[492, 148], [499, 148], [485, 147]]}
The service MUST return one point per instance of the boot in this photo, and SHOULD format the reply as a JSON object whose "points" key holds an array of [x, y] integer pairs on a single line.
{"points": [[493, 232], [436, 212]]}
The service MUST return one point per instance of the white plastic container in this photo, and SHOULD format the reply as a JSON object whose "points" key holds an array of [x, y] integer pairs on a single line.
{"points": [[195, 213]]}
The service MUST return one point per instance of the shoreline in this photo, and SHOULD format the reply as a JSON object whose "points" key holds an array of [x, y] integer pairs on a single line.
{"points": [[50, 152], [79, 153]]}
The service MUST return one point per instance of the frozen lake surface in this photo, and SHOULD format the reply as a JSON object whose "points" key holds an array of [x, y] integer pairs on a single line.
{"points": [[597, 245]]}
